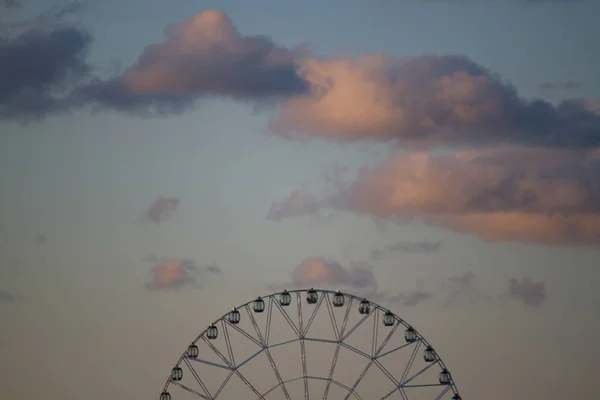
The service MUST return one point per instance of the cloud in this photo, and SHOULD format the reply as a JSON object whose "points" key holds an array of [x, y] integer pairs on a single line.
{"points": [[462, 286], [202, 56], [40, 66], [529, 292], [427, 101], [406, 246], [319, 272], [316, 271], [413, 298], [40, 239], [11, 3], [162, 208], [299, 203], [152, 258], [6, 297], [176, 273], [555, 86], [530, 195]]}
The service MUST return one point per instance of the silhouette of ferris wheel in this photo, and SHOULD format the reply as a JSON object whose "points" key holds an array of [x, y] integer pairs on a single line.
{"points": [[318, 344]]}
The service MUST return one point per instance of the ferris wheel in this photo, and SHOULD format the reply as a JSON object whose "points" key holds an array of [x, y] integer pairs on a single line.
{"points": [[318, 344]]}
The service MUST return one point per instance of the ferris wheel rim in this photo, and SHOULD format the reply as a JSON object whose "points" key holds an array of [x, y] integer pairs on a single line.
{"points": [[223, 319]]}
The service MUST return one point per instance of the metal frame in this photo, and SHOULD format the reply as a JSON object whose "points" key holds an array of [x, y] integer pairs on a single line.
{"points": [[271, 302]]}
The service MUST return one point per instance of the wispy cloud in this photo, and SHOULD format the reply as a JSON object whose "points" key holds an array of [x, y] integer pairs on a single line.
{"points": [[177, 273], [162, 208], [406, 247], [556, 86], [6, 297], [531, 293]]}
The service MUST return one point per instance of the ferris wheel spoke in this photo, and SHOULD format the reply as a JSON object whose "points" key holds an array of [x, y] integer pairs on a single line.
{"points": [[285, 342], [360, 377], [410, 361], [332, 318], [269, 315], [375, 333], [287, 318], [418, 373], [443, 393], [240, 365], [332, 369], [243, 378], [300, 316], [391, 392], [243, 332], [217, 352], [395, 349], [387, 373], [359, 323], [304, 369], [223, 384], [346, 316], [277, 374], [255, 325], [197, 377], [312, 316], [357, 351], [190, 390], [387, 339], [228, 343], [212, 364]]}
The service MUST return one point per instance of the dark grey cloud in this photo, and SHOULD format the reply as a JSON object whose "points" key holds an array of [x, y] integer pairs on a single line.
{"points": [[162, 208], [531, 293], [464, 287], [299, 203], [406, 247], [411, 299], [11, 3], [39, 68], [6, 297], [556, 86]]}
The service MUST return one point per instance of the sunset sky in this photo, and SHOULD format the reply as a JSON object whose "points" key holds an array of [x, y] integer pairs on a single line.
{"points": [[163, 161]]}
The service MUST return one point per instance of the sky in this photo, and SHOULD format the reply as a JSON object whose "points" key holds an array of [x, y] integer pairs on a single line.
{"points": [[162, 162]]}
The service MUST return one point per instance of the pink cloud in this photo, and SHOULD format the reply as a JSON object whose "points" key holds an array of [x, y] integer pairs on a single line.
{"points": [[427, 100], [316, 271], [202, 56], [176, 273], [536, 195]]}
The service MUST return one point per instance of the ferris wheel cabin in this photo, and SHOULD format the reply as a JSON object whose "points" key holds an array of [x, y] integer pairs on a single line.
{"points": [[338, 299], [285, 298], [176, 374], [312, 296], [259, 305], [212, 332], [192, 351]]}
